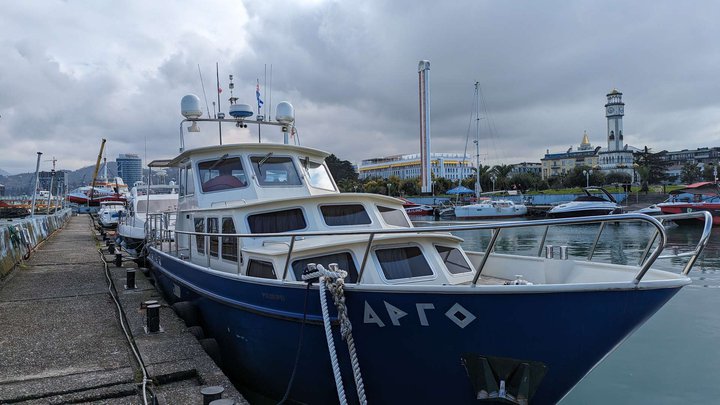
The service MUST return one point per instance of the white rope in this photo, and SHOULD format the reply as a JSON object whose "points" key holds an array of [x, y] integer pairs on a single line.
{"points": [[334, 278]]}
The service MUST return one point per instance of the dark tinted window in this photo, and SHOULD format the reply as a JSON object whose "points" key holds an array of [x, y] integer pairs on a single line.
{"points": [[275, 171], [392, 216], [212, 227], [200, 239], [338, 215], [189, 181], [344, 261], [453, 259], [277, 221], [229, 244], [256, 268], [222, 174], [404, 262]]}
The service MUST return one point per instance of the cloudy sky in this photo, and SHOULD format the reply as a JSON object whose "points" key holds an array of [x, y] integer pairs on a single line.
{"points": [[73, 72]]}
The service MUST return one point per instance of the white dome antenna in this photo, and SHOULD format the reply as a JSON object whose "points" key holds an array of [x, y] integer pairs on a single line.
{"points": [[285, 113], [190, 107]]}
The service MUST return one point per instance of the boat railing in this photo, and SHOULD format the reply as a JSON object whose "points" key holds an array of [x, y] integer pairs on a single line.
{"points": [[648, 257], [157, 226]]}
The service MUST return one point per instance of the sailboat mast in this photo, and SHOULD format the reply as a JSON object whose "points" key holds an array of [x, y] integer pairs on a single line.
{"points": [[478, 187]]}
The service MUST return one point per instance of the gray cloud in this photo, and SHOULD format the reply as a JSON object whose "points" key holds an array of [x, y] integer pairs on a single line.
{"points": [[78, 72]]}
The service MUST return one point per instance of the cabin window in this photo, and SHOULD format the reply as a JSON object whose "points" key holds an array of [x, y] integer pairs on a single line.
{"points": [[277, 221], [212, 227], [403, 262], [453, 259], [318, 175], [257, 268], [344, 260], [200, 239], [189, 181], [393, 216], [229, 243], [339, 215], [225, 173], [275, 171], [182, 181]]}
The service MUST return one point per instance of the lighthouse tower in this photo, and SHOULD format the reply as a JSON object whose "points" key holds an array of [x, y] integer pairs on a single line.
{"points": [[614, 111], [618, 157]]}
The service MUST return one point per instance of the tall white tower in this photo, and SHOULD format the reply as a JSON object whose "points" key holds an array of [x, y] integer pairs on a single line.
{"points": [[424, 90], [614, 111]]}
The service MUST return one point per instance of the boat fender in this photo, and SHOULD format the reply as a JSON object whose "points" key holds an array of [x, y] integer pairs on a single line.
{"points": [[212, 349], [188, 312]]}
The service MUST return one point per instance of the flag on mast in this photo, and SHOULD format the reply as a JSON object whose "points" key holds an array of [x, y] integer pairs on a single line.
{"points": [[257, 94]]}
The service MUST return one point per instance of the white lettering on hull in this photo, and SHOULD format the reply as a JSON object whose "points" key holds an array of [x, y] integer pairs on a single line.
{"points": [[456, 313]]}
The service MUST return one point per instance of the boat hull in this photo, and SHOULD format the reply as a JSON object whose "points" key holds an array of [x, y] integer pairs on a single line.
{"points": [[411, 345], [677, 208], [581, 213]]}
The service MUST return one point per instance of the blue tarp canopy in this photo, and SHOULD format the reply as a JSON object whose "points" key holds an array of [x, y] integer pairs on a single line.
{"points": [[460, 190]]}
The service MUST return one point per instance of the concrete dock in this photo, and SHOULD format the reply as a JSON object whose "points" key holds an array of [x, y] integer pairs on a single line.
{"points": [[62, 339]]}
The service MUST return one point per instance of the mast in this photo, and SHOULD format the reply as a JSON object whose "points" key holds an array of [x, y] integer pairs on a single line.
{"points": [[478, 187], [95, 172]]}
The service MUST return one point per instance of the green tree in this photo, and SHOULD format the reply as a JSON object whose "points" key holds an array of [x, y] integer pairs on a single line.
{"points": [[618, 178], [341, 169], [690, 173], [651, 166], [709, 171]]}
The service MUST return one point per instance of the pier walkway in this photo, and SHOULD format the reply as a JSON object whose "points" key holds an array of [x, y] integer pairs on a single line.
{"points": [[61, 339]]}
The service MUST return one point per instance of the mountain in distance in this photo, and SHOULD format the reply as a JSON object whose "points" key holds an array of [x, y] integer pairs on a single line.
{"points": [[22, 184], [3, 173]]}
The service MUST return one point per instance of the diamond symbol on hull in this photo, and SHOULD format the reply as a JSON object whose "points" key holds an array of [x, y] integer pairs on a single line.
{"points": [[461, 316]]}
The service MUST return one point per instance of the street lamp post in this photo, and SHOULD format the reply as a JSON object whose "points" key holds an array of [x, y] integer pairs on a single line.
{"points": [[388, 188], [493, 177], [587, 174]]}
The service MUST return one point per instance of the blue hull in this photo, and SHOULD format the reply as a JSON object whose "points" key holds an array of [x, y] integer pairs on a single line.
{"points": [[412, 358]]}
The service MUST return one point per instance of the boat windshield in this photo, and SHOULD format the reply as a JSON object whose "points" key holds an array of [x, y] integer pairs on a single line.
{"points": [[319, 176], [275, 171], [222, 174]]}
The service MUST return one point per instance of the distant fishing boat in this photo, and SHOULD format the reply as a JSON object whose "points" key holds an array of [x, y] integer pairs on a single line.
{"points": [[262, 232]]}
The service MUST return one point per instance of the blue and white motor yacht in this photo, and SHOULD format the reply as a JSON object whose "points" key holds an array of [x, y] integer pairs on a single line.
{"points": [[263, 233]]}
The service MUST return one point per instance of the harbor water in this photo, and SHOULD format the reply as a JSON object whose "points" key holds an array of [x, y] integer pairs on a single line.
{"points": [[672, 358]]}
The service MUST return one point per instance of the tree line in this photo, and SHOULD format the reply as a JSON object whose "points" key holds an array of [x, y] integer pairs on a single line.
{"points": [[650, 167]]}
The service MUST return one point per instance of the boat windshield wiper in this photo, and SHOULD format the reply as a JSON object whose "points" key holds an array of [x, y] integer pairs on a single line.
{"points": [[263, 160], [222, 159]]}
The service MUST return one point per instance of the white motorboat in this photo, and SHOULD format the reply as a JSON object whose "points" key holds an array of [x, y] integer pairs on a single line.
{"points": [[262, 231], [602, 203], [490, 209], [154, 203], [110, 212]]}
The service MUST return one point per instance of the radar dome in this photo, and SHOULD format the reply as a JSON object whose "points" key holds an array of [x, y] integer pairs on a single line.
{"points": [[285, 113], [190, 107], [241, 110]]}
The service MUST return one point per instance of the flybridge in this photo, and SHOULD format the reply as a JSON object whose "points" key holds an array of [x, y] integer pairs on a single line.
{"points": [[190, 109]]}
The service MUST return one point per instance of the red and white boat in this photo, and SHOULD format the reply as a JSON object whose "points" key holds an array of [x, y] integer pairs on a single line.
{"points": [[706, 197], [103, 191], [413, 209]]}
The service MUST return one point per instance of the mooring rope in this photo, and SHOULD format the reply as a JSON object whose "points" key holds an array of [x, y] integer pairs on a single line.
{"points": [[334, 280]]}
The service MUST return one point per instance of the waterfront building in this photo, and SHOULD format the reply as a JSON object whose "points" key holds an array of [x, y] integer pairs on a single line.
{"points": [[452, 166], [58, 179], [526, 167], [616, 157], [557, 164], [129, 168]]}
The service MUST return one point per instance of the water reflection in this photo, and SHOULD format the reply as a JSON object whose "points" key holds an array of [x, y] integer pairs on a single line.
{"points": [[619, 243]]}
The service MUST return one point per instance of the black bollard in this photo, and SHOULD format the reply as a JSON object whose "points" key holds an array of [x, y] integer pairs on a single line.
{"points": [[111, 248], [153, 318], [130, 279], [211, 394], [118, 259]]}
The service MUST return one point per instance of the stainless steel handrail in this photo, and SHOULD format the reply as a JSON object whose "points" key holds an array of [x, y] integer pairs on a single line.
{"points": [[660, 235]]}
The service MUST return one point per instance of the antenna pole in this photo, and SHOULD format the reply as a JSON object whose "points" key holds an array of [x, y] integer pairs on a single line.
{"points": [[202, 83], [217, 75]]}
